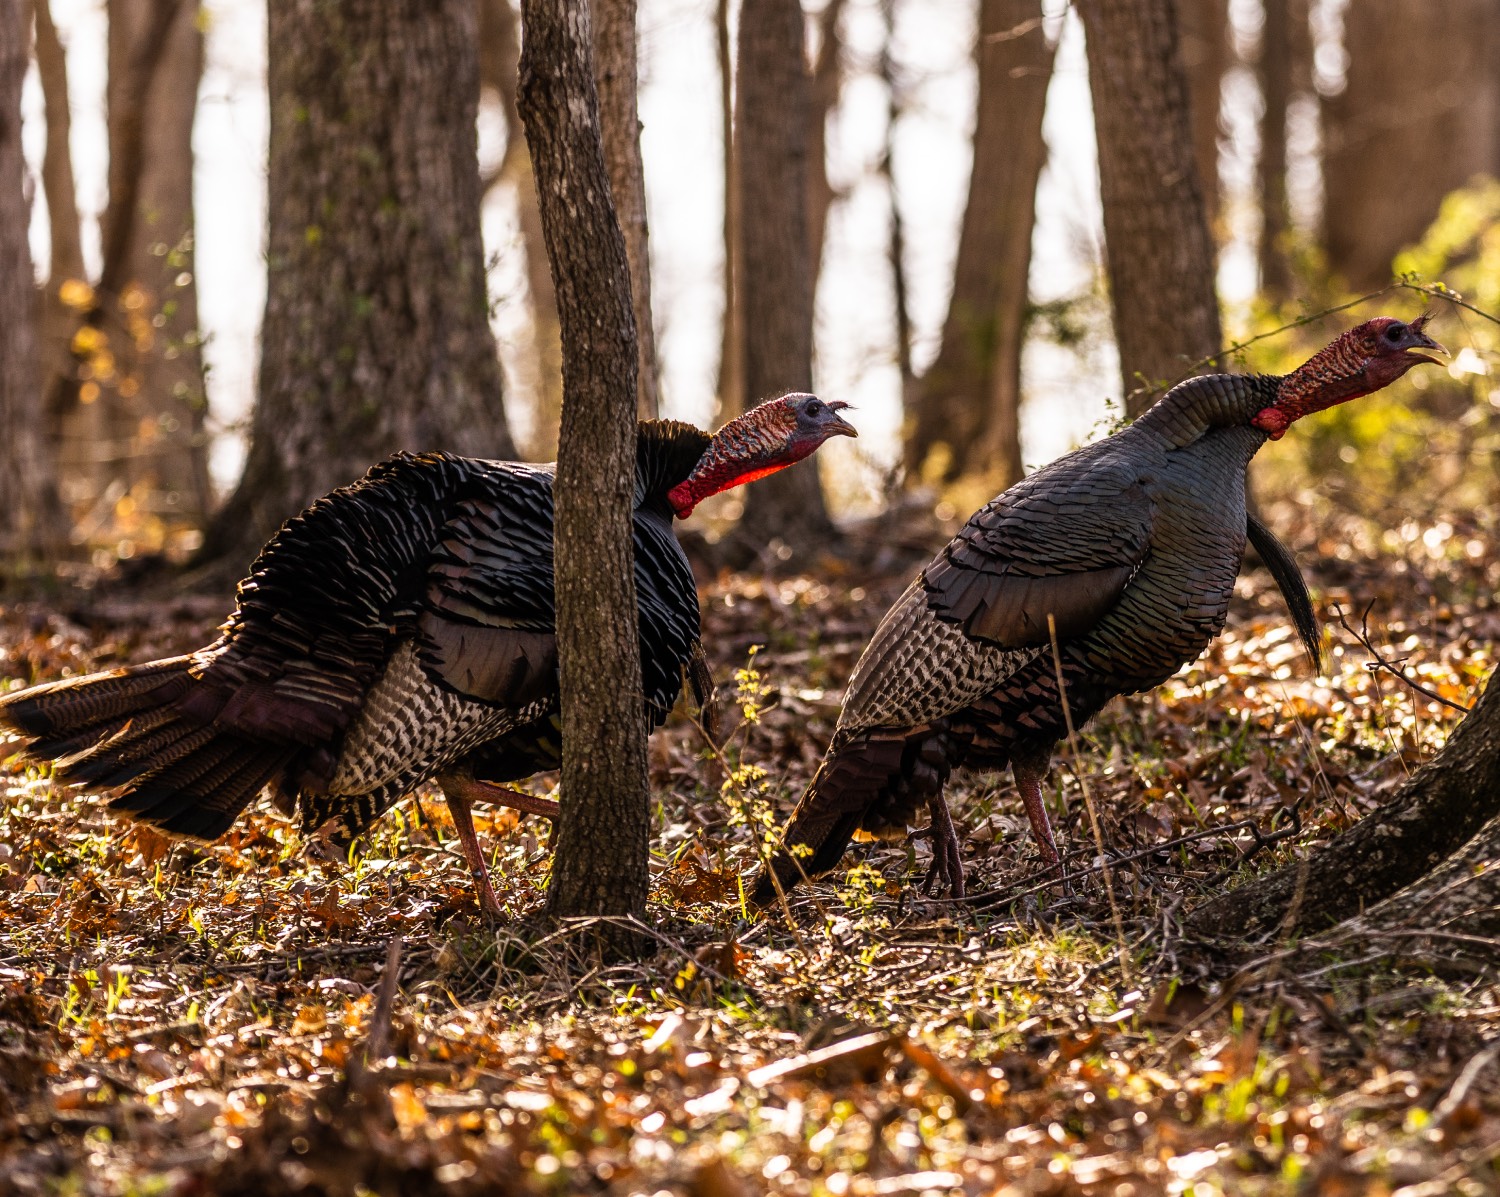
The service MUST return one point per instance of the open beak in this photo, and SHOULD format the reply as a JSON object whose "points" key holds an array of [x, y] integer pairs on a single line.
{"points": [[841, 426], [1421, 339]]}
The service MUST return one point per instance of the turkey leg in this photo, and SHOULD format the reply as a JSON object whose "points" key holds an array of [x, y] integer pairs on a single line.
{"points": [[461, 790], [947, 859], [1028, 765]]}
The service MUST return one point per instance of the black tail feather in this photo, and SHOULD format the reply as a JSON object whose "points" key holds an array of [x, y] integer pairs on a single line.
{"points": [[134, 730]]}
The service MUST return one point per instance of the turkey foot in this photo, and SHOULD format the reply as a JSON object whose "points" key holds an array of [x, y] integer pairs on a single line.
{"points": [[947, 860]]}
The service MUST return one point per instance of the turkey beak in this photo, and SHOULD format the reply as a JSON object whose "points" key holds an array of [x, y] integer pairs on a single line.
{"points": [[1422, 340], [840, 426]]}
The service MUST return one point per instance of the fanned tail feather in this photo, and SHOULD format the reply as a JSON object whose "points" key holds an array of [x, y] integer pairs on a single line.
{"points": [[134, 730]]}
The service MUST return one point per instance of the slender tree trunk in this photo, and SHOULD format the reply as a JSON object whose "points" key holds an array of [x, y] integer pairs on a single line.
{"points": [[615, 60], [967, 405], [1417, 838], [827, 76], [1418, 117], [155, 393], [376, 334], [66, 276], [897, 241], [1275, 68], [499, 65], [29, 517], [1203, 27], [732, 343], [604, 730], [773, 97], [1161, 257]]}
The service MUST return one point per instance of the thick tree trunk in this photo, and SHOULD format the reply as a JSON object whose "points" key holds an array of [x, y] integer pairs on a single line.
{"points": [[1161, 257], [1203, 27], [967, 405], [773, 98], [1423, 828], [499, 64], [29, 517], [1421, 104], [157, 447], [615, 60], [376, 335], [604, 730]]}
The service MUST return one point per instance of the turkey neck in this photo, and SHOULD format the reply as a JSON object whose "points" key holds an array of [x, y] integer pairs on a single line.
{"points": [[666, 451], [1215, 401]]}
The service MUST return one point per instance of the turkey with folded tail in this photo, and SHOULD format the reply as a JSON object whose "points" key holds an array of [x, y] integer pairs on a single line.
{"points": [[1129, 548], [398, 630]]}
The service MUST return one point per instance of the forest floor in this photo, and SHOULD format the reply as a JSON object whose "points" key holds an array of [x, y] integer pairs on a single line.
{"points": [[243, 1018]]}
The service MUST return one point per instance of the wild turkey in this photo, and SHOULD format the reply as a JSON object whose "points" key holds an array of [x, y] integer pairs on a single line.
{"points": [[1129, 546], [398, 630]]}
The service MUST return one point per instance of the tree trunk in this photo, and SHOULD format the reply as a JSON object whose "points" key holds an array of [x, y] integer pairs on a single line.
{"points": [[896, 251], [157, 448], [499, 62], [1423, 828], [967, 417], [29, 517], [376, 334], [604, 730], [1161, 258], [827, 76], [1204, 44], [1275, 69], [732, 342], [615, 60], [773, 96], [66, 275], [1418, 117]]}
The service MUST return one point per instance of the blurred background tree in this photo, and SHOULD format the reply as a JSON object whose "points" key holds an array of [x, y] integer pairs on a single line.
{"points": [[920, 229]]}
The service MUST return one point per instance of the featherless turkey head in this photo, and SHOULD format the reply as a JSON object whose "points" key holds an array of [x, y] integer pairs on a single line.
{"points": [[769, 437], [1362, 361]]}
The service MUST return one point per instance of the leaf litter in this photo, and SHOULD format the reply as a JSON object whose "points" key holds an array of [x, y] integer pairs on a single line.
{"points": [[245, 1017]]}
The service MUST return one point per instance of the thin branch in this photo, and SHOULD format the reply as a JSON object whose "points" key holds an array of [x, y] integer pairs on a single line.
{"points": [[1379, 663]]}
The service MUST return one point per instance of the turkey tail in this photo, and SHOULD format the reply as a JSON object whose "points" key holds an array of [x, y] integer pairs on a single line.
{"points": [[871, 782], [1288, 578], [133, 730]]}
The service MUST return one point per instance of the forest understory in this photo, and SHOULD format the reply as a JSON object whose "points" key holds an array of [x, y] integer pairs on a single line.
{"points": [[245, 1017]]}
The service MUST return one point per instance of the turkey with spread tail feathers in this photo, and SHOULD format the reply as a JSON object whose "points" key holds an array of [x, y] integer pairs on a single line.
{"points": [[398, 630], [1123, 554]]}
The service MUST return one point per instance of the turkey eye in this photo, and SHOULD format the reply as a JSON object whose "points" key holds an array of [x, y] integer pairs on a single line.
{"points": [[814, 408], [1393, 333]]}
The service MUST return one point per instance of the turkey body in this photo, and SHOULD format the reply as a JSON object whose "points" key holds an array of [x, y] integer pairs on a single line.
{"points": [[1126, 551], [398, 629]]}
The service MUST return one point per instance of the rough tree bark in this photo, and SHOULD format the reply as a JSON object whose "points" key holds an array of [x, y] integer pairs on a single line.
{"points": [[29, 516], [604, 729], [772, 102], [155, 398], [1161, 257], [968, 403], [376, 334], [615, 62], [1203, 27], [1412, 847], [1422, 107], [499, 64]]}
